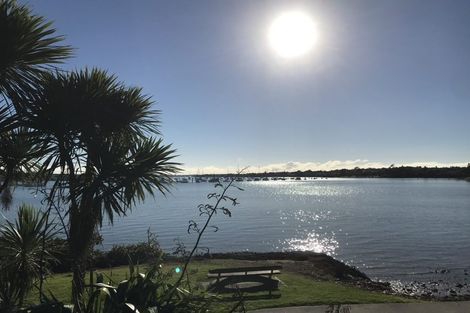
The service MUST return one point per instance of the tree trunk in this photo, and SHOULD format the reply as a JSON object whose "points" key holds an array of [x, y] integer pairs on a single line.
{"points": [[78, 252], [82, 227], [78, 286], [79, 242]]}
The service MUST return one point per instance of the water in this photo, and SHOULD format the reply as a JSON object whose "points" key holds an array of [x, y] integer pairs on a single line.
{"points": [[392, 229]]}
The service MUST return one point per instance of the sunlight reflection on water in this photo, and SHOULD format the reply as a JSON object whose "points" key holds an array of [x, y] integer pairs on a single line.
{"points": [[313, 242], [309, 188], [312, 231]]}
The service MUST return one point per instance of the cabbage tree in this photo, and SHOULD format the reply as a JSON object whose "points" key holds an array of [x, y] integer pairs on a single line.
{"points": [[101, 145]]}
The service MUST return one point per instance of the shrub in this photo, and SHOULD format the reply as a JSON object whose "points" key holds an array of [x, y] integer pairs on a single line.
{"points": [[119, 255], [24, 255], [143, 252]]}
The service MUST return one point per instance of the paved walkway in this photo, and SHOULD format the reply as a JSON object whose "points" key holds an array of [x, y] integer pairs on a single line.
{"points": [[431, 307]]}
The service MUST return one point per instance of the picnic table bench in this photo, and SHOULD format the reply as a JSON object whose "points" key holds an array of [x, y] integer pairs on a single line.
{"points": [[246, 279]]}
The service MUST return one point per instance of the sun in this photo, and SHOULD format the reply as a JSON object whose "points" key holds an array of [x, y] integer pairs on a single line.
{"points": [[292, 34]]}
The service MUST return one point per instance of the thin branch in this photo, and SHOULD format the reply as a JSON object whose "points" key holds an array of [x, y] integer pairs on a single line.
{"points": [[200, 233]]}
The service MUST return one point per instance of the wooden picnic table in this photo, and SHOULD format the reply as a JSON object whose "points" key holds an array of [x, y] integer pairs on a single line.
{"points": [[245, 279]]}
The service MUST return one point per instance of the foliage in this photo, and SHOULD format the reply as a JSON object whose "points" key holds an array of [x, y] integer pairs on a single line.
{"points": [[119, 255], [101, 138], [86, 122], [145, 293], [29, 48], [24, 254], [16, 159], [142, 252]]}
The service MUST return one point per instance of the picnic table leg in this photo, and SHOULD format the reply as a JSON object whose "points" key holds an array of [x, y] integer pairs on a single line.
{"points": [[270, 277]]}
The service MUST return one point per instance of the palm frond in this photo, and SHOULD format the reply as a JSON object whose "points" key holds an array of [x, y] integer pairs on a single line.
{"points": [[7, 118], [107, 131], [29, 47], [129, 175], [17, 160]]}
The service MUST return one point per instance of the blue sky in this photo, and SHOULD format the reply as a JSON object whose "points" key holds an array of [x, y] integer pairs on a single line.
{"points": [[388, 81]]}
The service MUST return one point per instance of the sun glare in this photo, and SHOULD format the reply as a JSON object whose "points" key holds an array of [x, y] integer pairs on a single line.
{"points": [[292, 34]]}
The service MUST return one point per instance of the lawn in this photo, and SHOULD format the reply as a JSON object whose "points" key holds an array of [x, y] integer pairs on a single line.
{"points": [[295, 289]]}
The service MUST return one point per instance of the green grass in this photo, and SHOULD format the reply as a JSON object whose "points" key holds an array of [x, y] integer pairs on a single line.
{"points": [[295, 289]]}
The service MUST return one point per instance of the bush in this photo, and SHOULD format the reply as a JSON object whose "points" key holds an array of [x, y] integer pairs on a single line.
{"points": [[25, 255], [119, 255], [143, 252]]}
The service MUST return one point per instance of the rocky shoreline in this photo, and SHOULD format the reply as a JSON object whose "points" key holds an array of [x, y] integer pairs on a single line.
{"points": [[323, 267], [433, 290]]}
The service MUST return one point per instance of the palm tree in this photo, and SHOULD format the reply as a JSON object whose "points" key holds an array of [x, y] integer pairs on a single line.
{"points": [[99, 138], [28, 49], [23, 253]]}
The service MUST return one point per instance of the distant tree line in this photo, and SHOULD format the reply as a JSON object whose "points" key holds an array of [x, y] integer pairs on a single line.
{"points": [[386, 172]]}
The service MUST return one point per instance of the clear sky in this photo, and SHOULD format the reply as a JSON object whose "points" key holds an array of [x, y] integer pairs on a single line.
{"points": [[386, 82]]}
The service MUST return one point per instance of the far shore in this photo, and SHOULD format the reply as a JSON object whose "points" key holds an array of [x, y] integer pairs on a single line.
{"points": [[385, 172]]}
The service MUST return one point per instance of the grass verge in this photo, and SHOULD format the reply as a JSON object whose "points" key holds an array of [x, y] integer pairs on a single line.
{"points": [[295, 289]]}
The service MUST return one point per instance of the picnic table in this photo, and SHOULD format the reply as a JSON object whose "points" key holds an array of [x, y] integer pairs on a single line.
{"points": [[245, 279]]}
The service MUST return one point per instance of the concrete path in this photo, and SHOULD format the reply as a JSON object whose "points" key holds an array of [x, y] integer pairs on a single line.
{"points": [[431, 307]]}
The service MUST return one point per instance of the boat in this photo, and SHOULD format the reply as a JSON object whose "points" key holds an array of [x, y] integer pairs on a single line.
{"points": [[214, 180]]}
